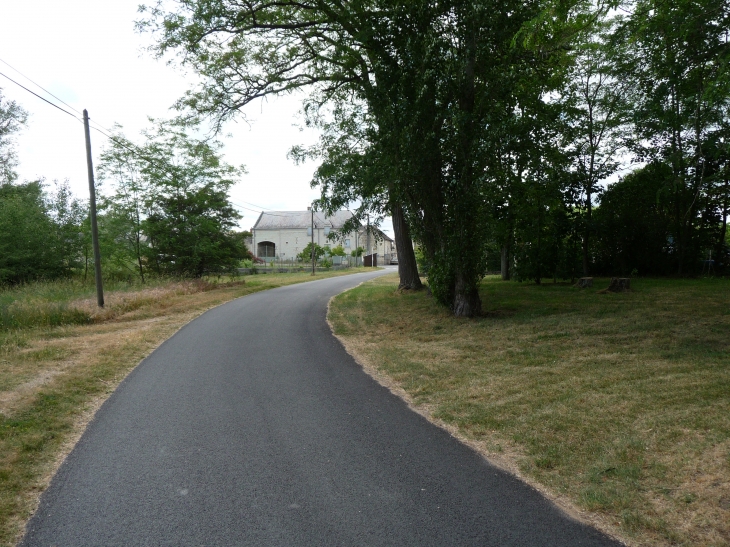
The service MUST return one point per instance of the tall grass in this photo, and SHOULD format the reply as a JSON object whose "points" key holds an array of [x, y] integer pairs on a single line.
{"points": [[73, 302], [43, 303]]}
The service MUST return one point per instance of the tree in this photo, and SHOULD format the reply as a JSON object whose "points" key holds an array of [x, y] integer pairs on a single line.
{"points": [[633, 224], [191, 233], [306, 254], [12, 119], [356, 173], [33, 237], [190, 220], [718, 151], [338, 251], [169, 208], [678, 60], [68, 214], [275, 48], [122, 164], [433, 78], [240, 238], [595, 99]]}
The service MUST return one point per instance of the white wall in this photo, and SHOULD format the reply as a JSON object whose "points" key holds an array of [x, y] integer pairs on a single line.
{"points": [[289, 243]]}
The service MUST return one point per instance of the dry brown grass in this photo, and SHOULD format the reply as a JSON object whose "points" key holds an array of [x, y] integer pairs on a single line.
{"points": [[615, 405], [52, 380]]}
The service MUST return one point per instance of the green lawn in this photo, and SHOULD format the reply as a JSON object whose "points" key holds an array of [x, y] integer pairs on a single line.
{"points": [[618, 404]]}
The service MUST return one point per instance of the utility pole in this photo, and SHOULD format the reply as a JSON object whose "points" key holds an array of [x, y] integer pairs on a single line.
{"points": [[367, 251], [92, 214], [313, 254]]}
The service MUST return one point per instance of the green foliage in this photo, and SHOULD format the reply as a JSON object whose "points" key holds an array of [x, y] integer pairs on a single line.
{"points": [[190, 234], [39, 234], [12, 119], [424, 266], [493, 129], [338, 251], [123, 210], [68, 214], [543, 243], [24, 231], [633, 224], [169, 210], [306, 254], [678, 59]]}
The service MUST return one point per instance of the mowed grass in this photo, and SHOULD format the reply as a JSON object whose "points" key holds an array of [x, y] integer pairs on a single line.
{"points": [[616, 405], [54, 374]]}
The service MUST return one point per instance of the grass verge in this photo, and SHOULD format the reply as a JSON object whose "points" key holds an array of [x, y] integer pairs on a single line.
{"points": [[55, 374], [615, 405]]}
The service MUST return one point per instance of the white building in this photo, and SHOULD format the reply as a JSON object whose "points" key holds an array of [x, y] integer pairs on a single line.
{"points": [[380, 244], [282, 235]]}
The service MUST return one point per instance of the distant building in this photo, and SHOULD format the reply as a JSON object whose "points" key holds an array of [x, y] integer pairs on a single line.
{"points": [[380, 243], [282, 235]]}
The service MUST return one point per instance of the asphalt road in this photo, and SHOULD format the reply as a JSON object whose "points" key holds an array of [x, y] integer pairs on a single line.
{"points": [[253, 426]]}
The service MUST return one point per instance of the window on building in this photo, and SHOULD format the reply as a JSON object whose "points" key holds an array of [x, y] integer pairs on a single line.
{"points": [[347, 243]]}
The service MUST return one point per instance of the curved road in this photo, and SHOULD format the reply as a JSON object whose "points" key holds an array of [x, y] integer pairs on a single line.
{"points": [[253, 426]]}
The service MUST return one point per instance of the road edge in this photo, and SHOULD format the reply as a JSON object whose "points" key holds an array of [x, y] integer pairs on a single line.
{"points": [[93, 405], [504, 463]]}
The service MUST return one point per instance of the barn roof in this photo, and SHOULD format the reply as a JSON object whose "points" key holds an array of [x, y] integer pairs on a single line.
{"points": [[380, 234], [288, 220]]}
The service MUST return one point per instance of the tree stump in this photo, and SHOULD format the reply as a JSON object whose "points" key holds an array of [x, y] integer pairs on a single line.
{"points": [[584, 282], [619, 284]]}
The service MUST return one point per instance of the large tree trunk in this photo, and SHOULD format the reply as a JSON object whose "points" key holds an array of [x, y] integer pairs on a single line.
{"points": [[466, 298], [138, 252], [466, 302], [723, 230], [587, 233], [505, 262], [407, 267]]}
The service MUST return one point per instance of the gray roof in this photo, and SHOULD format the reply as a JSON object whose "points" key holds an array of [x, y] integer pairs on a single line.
{"points": [[288, 220], [379, 234]]}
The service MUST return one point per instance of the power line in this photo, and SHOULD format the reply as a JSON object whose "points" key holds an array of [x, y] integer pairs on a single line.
{"points": [[51, 94], [257, 206], [106, 133], [131, 147], [101, 129], [38, 85], [42, 98], [244, 207], [257, 211]]}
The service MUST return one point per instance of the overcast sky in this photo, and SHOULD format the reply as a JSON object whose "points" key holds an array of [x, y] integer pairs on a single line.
{"points": [[88, 54]]}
